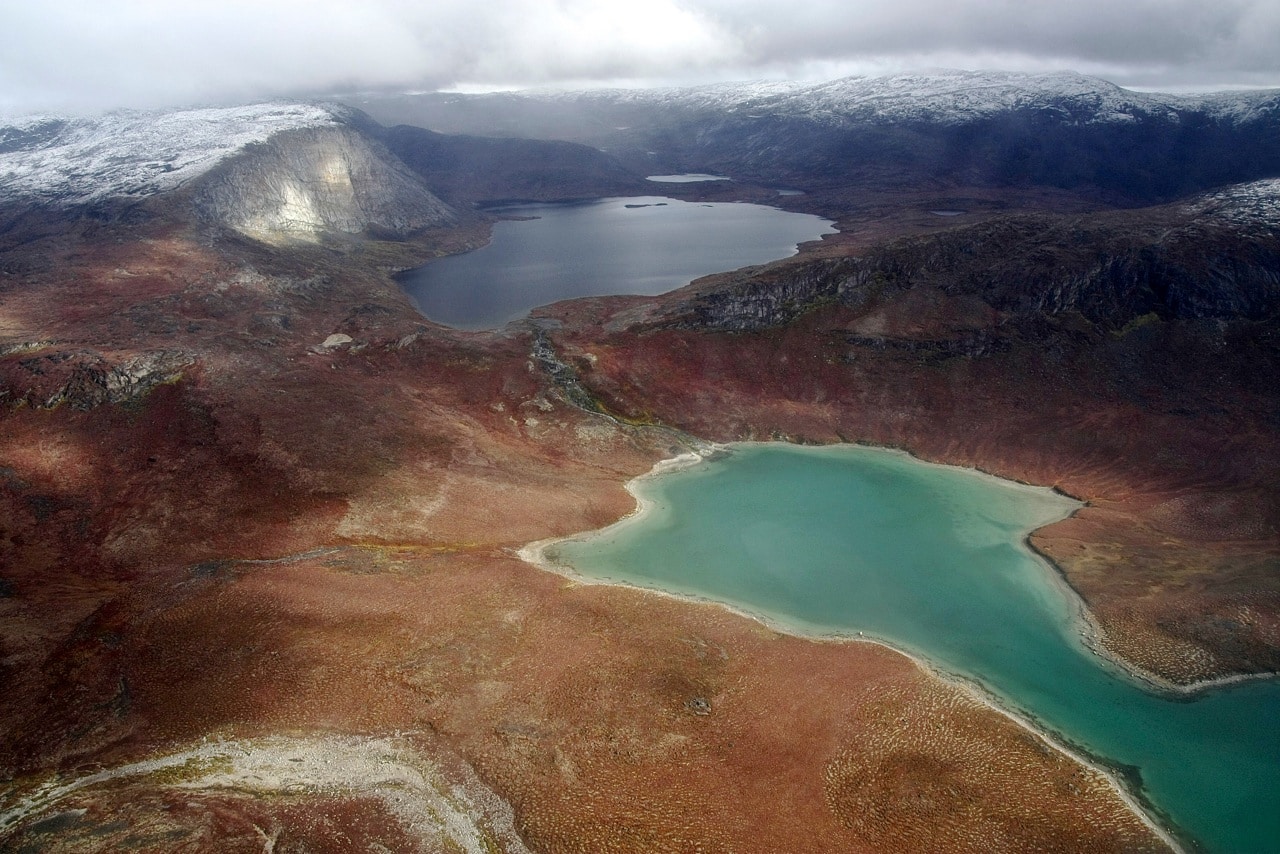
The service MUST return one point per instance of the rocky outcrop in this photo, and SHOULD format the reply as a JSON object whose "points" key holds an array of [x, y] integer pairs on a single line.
{"points": [[86, 379], [769, 296], [1112, 269], [301, 184]]}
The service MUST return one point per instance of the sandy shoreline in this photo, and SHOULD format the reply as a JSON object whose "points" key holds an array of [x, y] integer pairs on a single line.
{"points": [[1093, 636], [535, 554]]}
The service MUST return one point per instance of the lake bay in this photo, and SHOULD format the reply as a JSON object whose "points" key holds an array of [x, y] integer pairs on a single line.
{"points": [[932, 560]]}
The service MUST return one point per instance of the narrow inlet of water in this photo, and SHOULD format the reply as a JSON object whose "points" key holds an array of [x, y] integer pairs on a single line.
{"points": [[932, 560]]}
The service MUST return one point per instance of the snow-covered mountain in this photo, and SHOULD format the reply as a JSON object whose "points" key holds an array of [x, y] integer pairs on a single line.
{"points": [[267, 170], [943, 97], [946, 97], [947, 128], [944, 128], [134, 154]]}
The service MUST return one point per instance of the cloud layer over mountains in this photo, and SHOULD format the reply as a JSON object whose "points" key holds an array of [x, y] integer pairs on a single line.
{"points": [[85, 55]]}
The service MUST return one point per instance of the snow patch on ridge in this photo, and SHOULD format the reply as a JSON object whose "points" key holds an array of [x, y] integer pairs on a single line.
{"points": [[133, 154], [946, 96], [1251, 203]]}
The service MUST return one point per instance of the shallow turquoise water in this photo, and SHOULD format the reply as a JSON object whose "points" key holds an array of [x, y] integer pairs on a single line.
{"points": [[930, 559]]}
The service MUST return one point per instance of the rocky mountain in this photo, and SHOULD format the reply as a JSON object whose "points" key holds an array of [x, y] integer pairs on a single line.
{"points": [[295, 171], [947, 128], [309, 182], [132, 155], [268, 170]]}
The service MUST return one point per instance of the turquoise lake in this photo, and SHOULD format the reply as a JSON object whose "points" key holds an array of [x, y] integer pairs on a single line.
{"points": [[931, 559]]}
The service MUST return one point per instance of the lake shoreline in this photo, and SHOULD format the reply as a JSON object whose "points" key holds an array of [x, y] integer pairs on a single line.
{"points": [[1093, 636], [543, 253], [535, 553]]}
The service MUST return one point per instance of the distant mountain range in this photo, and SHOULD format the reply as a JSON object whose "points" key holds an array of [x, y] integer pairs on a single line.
{"points": [[949, 129], [1062, 130]]}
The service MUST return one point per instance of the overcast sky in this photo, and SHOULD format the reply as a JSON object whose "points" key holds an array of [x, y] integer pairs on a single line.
{"points": [[89, 55]]}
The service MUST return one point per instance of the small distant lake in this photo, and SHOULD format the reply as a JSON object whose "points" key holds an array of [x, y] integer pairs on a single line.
{"points": [[931, 559], [638, 245], [687, 178]]}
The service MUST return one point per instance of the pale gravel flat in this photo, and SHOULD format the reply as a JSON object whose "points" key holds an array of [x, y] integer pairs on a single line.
{"points": [[439, 811]]}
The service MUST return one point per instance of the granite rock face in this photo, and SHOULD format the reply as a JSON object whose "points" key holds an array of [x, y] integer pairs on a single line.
{"points": [[1110, 270], [769, 297], [300, 184]]}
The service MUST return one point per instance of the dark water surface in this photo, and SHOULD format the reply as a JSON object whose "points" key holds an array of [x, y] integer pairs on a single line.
{"points": [[931, 559], [644, 245]]}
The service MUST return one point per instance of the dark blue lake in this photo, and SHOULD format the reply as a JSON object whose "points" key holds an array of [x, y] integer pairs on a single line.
{"points": [[644, 245]]}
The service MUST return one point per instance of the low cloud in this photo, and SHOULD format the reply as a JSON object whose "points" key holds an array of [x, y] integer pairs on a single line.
{"points": [[78, 55]]}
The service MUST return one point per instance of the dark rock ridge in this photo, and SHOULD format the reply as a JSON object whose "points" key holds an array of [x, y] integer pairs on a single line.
{"points": [[771, 296], [302, 183], [1112, 269]]}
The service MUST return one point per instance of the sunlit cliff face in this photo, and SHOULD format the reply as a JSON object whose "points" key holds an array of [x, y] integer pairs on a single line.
{"points": [[295, 215], [298, 210], [329, 181], [301, 203]]}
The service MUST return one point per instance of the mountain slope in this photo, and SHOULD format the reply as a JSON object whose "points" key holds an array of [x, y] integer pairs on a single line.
{"points": [[267, 170], [466, 168], [309, 182], [134, 154]]}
